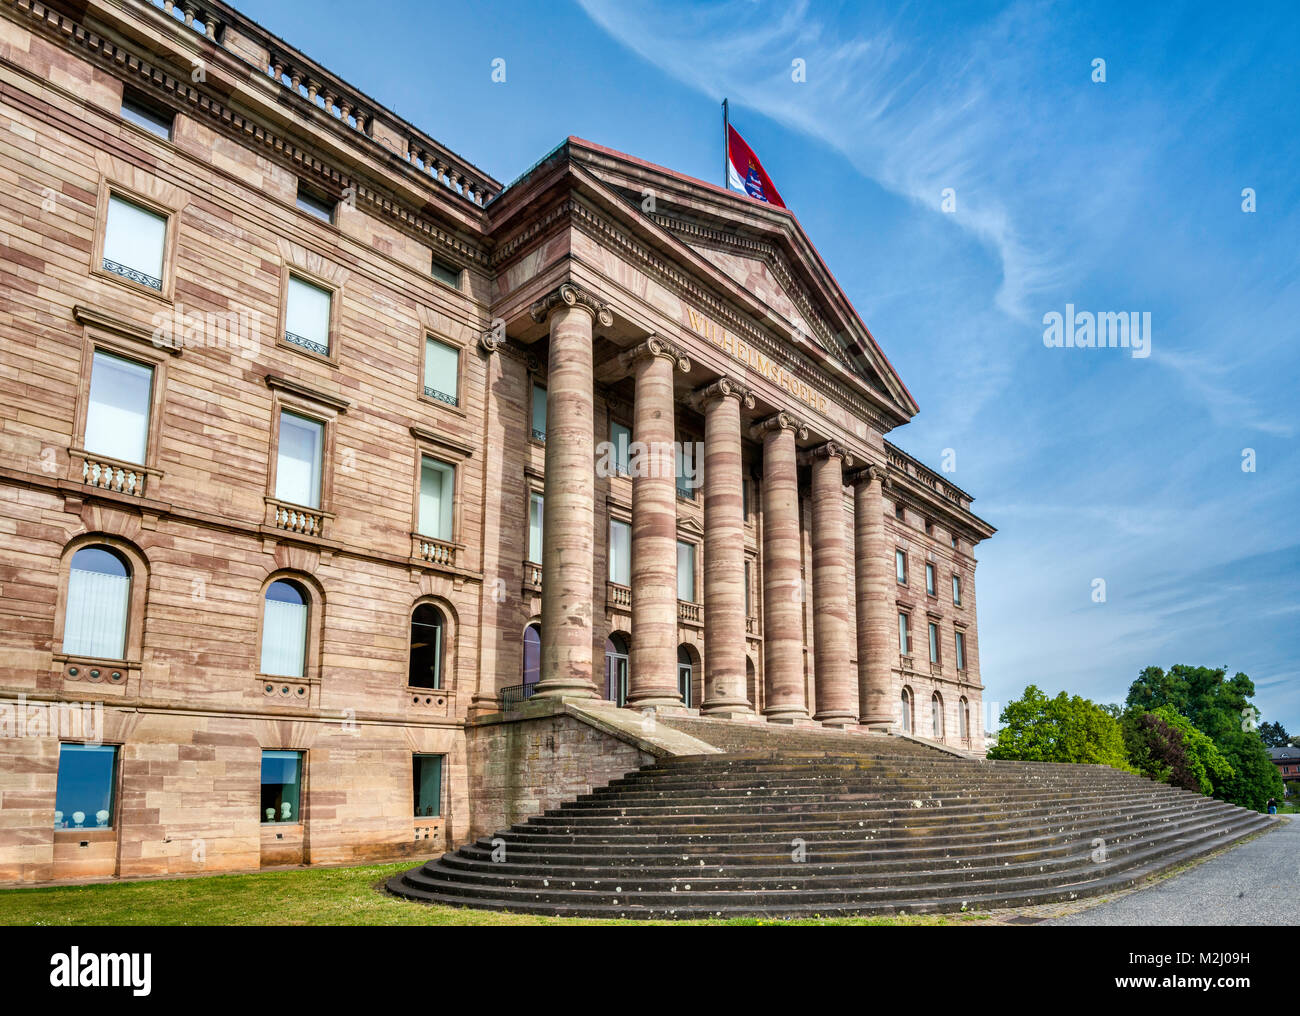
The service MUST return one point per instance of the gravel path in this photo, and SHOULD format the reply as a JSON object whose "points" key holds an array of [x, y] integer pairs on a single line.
{"points": [[1255, 883]]}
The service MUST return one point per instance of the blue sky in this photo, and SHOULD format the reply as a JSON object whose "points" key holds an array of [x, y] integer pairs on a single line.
{"points": [[1122, 195]]}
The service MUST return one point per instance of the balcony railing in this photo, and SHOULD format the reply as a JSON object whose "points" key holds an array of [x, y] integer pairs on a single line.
{"points": [[435, 552], [690, 613], [514, 696], [433, 393], [142, 278], [686, 491], [533, 576], [539, 435], [111, 474], [617, 596], [295, 518], [309, 344], [751, 626]]}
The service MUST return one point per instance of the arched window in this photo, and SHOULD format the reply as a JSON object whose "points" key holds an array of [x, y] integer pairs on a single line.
{"points": [[532, 654], [685, 670], [99, 591], [616, 668], [284, 629], [936, 716], [427, 627], [907, 711], [963, 718]]}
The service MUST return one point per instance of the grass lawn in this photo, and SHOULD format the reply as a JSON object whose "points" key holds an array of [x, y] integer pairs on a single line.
{"points": [[296, 897]]}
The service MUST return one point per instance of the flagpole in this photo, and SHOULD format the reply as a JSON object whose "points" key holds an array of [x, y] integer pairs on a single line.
{"points": [[726, 144]]}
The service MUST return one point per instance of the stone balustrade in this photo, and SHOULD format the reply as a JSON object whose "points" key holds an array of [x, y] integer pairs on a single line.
{"points": [[436, 552], [112, 474], [200, 17], [617, 596], [533, 576], [294, 518], [690, 613]]}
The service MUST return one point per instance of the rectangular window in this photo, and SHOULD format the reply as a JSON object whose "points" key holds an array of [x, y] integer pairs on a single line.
{"points": [[427, 773], [315, 204], [144, 114], [437, 491], [960, 640], [83, 798], [539, 413], [898, 511], [281, 786], [535, 508], [621, 438], [298, 462], [900, 567], [117, 418], [904, 639], [686, 571], [307, 316], [956, 590], [441, 372], [445, 273], [934, 642], [685, 482], [620, 552], [134, 241], [929, 578], [744, 497]]}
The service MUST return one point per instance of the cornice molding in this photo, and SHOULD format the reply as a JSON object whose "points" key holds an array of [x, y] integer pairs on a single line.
{"points": [[284, 384], [91, 317], [141, 72]]}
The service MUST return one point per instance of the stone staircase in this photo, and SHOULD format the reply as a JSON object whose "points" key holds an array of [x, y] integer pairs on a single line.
{"points": [[796, 822]]}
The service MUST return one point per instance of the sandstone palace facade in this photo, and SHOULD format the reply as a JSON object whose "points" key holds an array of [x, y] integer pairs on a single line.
{"points": [[330, 467]]}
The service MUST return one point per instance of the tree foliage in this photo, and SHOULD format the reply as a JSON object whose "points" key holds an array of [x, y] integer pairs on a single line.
{"points": [[1165, 746], [1061, 729], [1274, 735]]}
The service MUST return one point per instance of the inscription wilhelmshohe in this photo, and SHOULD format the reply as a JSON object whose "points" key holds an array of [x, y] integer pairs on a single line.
{"points": [[759, 362]]}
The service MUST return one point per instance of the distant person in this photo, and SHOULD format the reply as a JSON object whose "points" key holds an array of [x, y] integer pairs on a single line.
{"points": [[1272, 805]]}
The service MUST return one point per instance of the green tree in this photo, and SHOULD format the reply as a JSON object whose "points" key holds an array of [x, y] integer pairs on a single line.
{"points": [[1061, 729], [1165, 746], [1274, 735], [1219, 707]]}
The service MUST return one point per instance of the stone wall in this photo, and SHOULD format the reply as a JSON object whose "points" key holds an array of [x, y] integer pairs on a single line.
{"points": [[522, 767]]}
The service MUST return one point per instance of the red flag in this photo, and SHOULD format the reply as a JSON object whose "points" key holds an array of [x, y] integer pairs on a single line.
{"points": [[745, 172]]}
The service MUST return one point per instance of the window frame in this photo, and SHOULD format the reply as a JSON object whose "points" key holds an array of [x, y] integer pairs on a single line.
{"points": [[959, 649], [436, 262], [279, 408], [136, 608], [956, 590], [302, 788], [443, 449], [904, 634], [534, 384], [932, 637], [145, 108], [112, 188], [694, 546], [308, 195], [453, 536], [315, 625], [459, 349], [98, 339], [442, 783], [336, 299], [115, 789], [448, 631], [900, 573], [540, 495], [609, 556], [931, 585]]}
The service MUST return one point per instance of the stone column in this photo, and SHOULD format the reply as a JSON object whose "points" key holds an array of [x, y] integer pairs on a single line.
{"points": [[782, 583], [568, 522], [652, 681], [725, 693], [874, 572], [837, 684]]}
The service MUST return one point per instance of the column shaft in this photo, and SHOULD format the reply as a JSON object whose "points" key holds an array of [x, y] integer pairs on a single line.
{"points": [[568, 519], [724, 557], [837, 685], [653, 664], [782, 582], [877, 639]]}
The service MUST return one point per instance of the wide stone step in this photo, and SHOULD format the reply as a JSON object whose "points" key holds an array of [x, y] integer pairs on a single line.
{"points": [[620, 900], [917, 830]]}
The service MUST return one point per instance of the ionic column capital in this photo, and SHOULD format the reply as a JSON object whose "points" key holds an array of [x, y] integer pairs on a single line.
{"points": [[867, 474], [571, 295], [829, 450], [654, 345], [779, 421], [722, 388]]}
